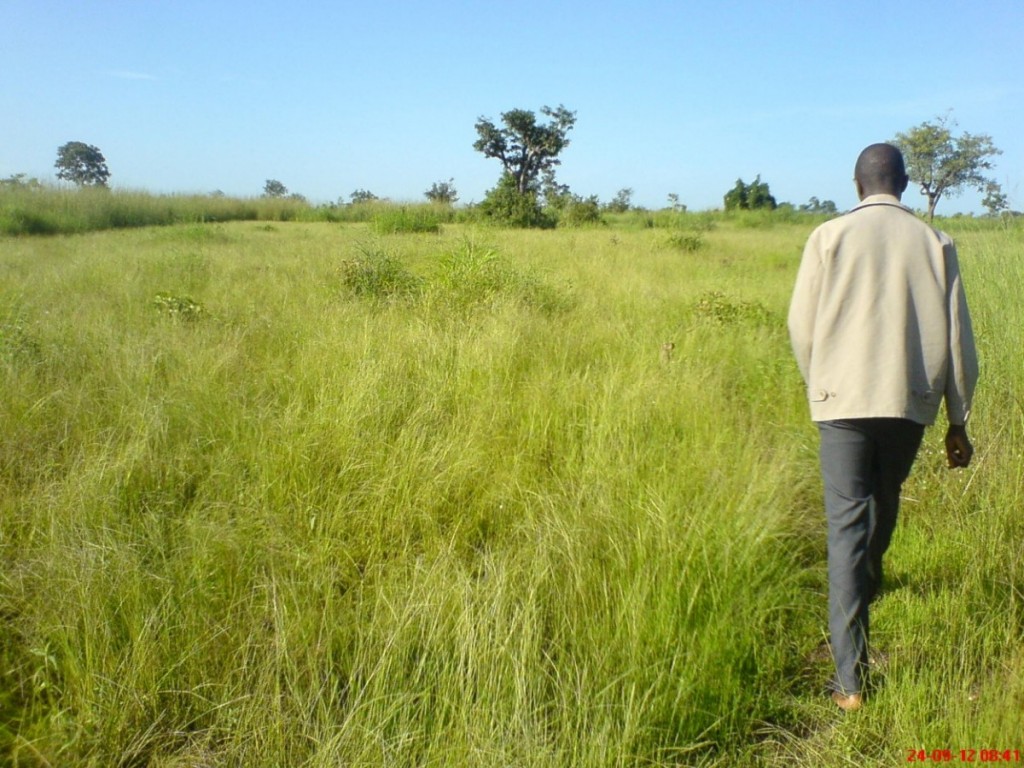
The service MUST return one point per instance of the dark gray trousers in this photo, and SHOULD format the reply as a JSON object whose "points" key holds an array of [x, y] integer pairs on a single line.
{"points": [[863, 464]]}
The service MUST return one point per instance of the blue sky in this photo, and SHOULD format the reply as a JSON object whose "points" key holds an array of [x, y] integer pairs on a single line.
{"points": [[671, 97]]}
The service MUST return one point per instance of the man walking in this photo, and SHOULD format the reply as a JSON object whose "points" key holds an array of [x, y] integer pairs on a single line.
{"points": [[881, 333]]}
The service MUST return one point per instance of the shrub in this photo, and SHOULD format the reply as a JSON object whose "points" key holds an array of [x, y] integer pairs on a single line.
{"points": [[505, 205], [21, 222], [764, 218], [580, 212], [393, 220], [688, 242], [472, 276], [375, 274], [178, 307], [718, 308]]}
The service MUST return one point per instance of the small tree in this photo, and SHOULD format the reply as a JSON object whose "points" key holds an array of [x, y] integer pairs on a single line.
{"points": [[82, 164], [525, 148], [995, 201], [814, 205], [622, 201], [759, 196], [20, 181], [362, 196], [943, 164], [274, 188], [749, 197], [442, 192], [736, 198]]}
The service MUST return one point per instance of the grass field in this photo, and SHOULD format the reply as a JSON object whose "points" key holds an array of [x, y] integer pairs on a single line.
{"points": [[306, 494]]}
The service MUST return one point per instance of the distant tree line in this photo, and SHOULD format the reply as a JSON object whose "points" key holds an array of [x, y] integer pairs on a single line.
{"points": [[528, 193]]}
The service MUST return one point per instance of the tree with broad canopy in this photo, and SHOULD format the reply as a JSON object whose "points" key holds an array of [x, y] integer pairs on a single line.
{"points": [[525, 147], [943, 164], [82, 164]]}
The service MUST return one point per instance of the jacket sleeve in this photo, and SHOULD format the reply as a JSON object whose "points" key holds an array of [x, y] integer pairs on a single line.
{"points": [[804, 304], [962, 374]]}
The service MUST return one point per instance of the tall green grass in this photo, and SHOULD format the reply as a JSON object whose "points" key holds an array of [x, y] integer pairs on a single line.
{"points": [[258, 509], [42, 210], [33, 209]]}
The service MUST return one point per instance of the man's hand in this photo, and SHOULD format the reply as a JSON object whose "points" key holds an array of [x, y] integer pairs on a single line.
{"points": [[958, 448]]}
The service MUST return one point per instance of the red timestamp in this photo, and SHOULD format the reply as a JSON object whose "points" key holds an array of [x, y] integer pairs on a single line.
{"points": [[963, 756]]}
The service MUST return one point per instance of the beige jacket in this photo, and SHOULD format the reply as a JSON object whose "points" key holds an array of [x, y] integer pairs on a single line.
{"points": [[879, 321]]}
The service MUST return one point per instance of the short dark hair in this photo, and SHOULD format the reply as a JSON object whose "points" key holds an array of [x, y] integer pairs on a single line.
{"points": [[881, 167]]}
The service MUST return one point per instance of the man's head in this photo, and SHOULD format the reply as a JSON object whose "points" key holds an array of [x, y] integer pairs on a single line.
{"points": [[880, 171]]}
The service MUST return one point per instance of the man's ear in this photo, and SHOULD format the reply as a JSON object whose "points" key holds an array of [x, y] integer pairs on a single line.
{"points": [[903, 186]]}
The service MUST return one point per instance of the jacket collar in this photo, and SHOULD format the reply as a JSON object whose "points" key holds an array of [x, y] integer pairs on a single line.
{"points": [[881, 200]]}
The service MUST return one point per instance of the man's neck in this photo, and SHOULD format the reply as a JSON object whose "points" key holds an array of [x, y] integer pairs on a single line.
{"points": [[872, 192]]}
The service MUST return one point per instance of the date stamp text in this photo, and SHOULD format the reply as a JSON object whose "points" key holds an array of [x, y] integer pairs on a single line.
{"points": [[963, 755]]}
